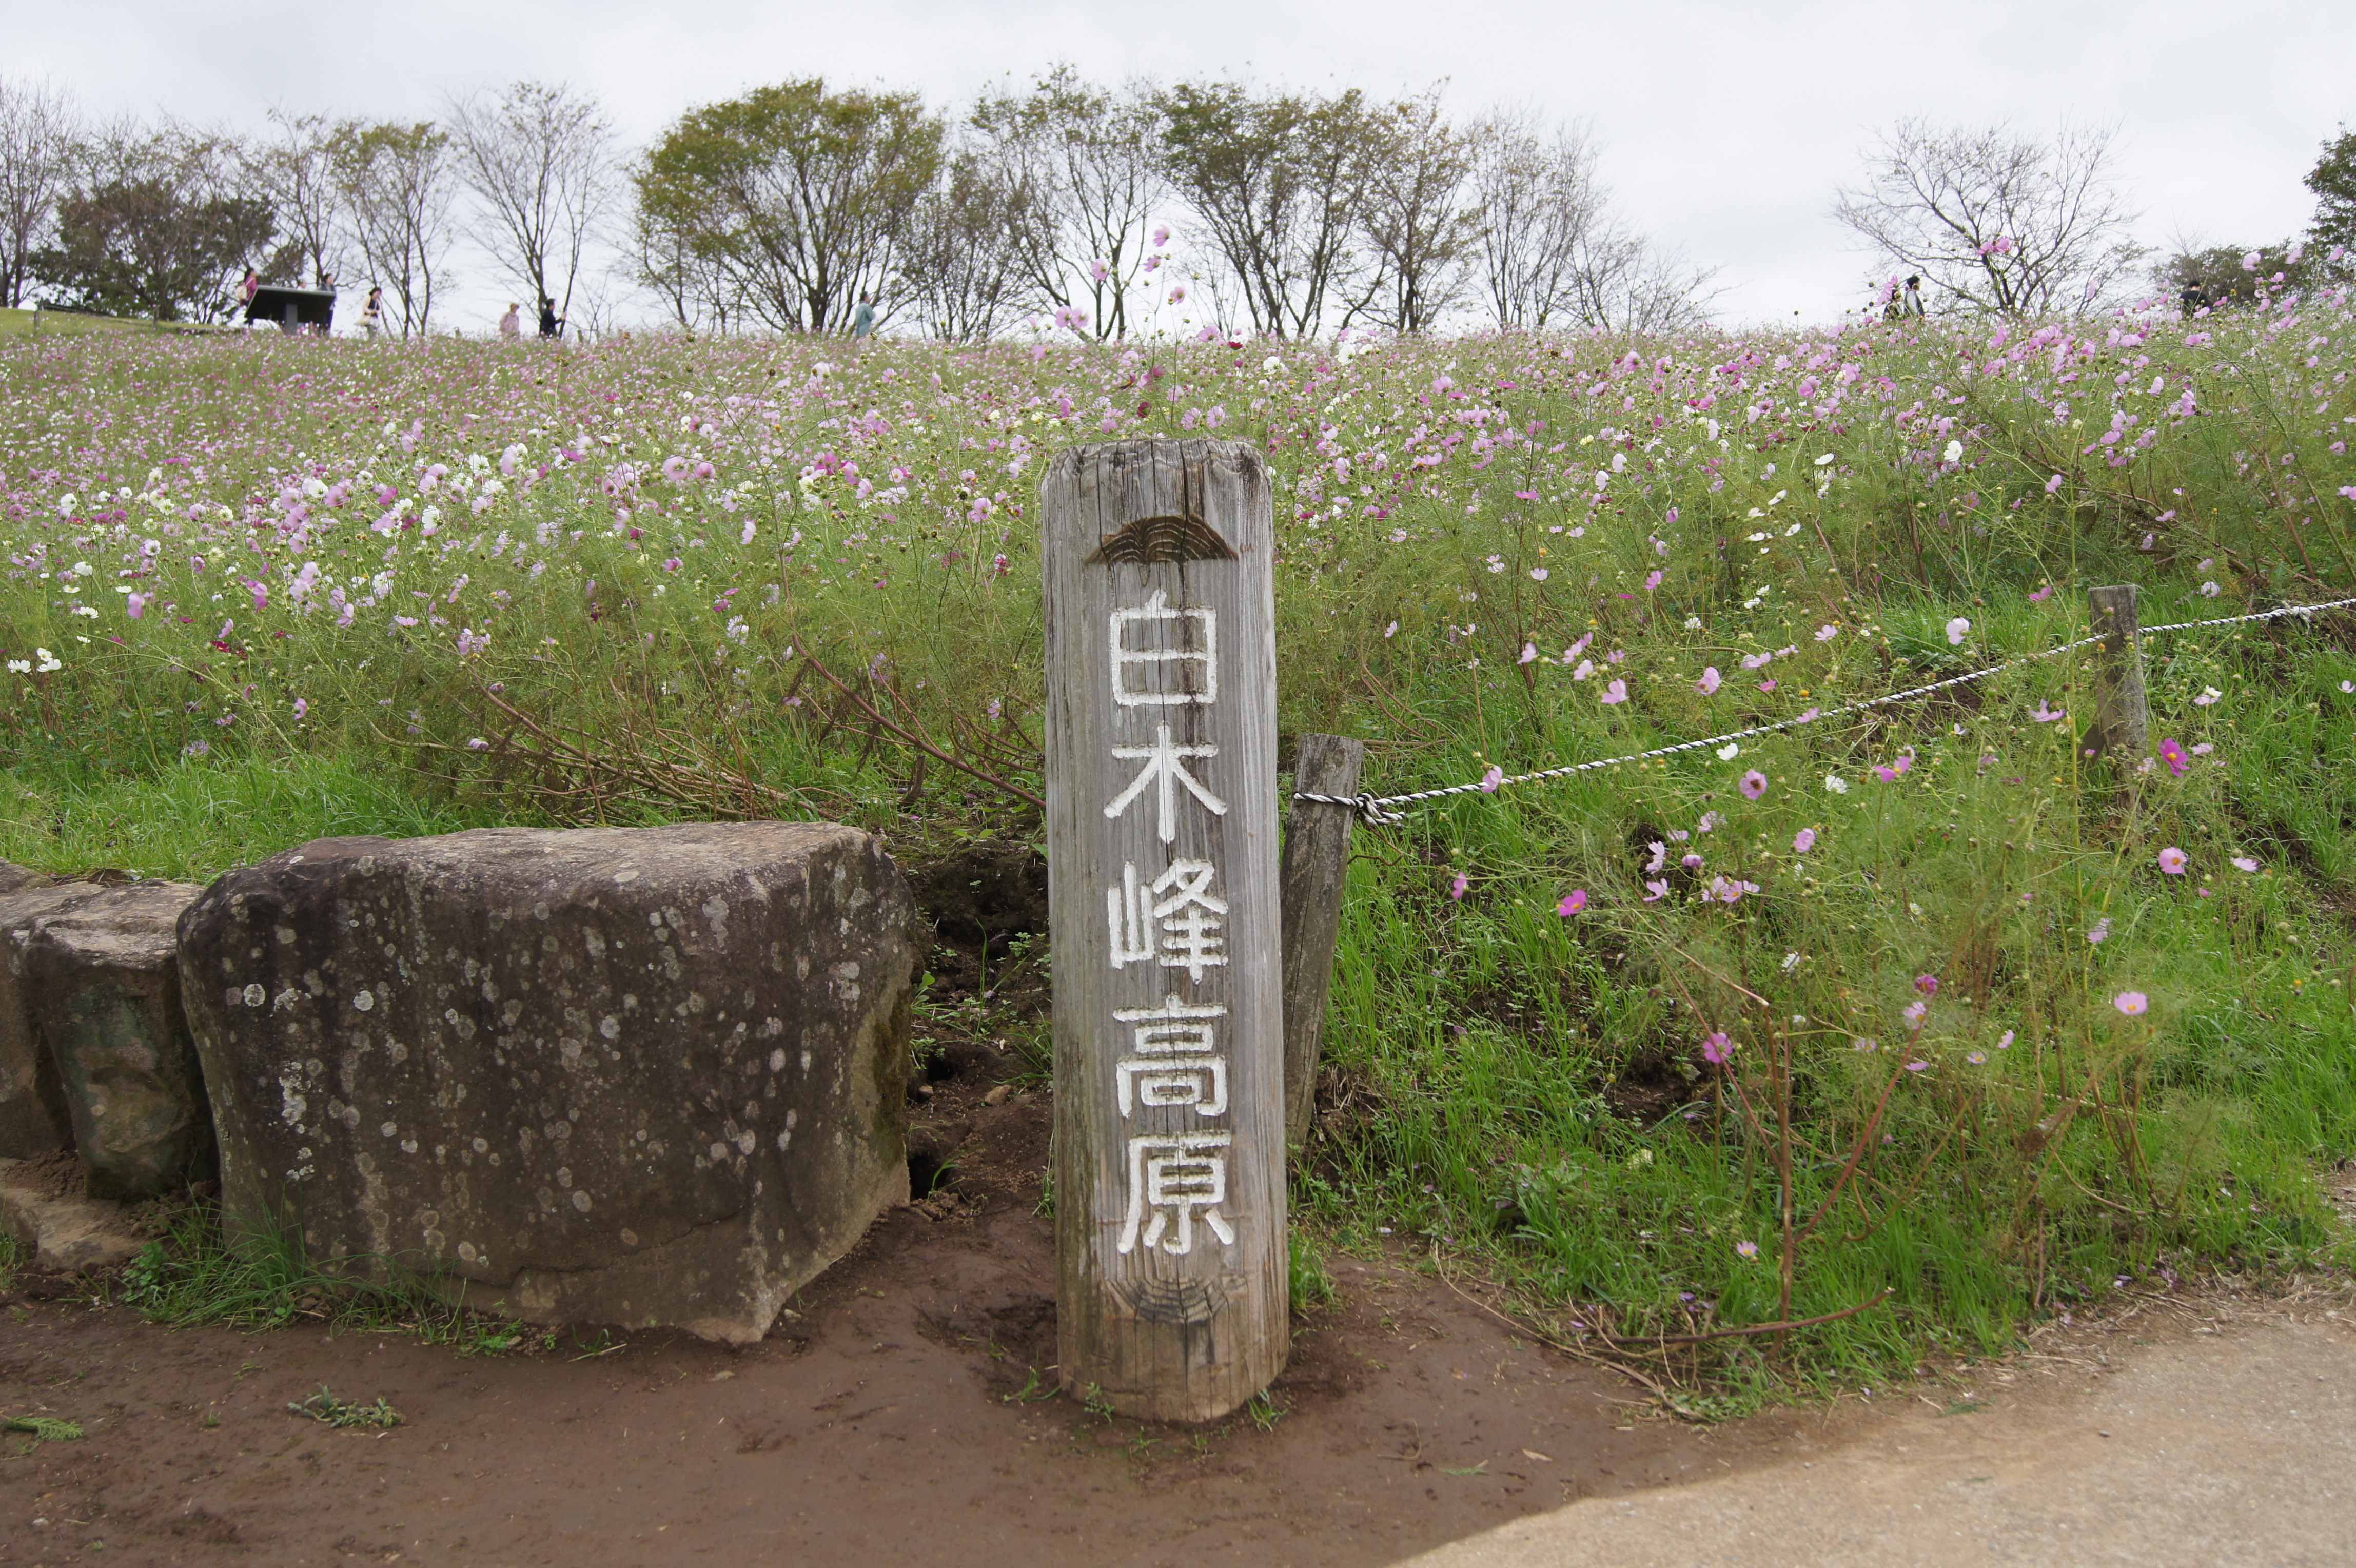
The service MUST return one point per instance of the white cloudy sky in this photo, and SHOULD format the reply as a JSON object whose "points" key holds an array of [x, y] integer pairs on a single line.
{"points": [[1726, 126]]}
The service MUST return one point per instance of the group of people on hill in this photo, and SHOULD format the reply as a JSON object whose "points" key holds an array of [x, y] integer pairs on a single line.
{"points": [[552, 324]]}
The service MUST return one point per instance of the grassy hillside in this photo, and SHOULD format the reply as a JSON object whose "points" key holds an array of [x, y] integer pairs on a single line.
{"points": [[1919, 999]]}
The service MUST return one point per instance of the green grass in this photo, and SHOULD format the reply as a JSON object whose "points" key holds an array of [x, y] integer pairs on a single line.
{"points": [[1512, 1090]]}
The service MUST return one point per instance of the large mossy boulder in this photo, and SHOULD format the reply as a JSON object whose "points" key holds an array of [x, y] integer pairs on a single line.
{"points": [[634, 1077], [102, 975]]}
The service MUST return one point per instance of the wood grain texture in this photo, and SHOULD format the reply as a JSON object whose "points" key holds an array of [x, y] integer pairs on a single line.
{"points": [[1308, 884], [1169, 1327], [2122, 726]]}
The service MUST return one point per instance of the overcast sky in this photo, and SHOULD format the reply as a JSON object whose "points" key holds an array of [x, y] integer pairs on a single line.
{"points": [[1725, 126]]}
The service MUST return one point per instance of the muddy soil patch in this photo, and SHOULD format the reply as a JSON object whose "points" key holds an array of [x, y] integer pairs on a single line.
{"points": [[906, 1409]]}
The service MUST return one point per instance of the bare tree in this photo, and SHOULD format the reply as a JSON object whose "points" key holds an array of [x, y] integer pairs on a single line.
{"points": [[398, 184], [536, 159], [966, 260], [38, 130], [293, 171], [1418, 225], [1552, 252], [1539, 201], [2003, 223], [1087, 162], [1621, 282]]}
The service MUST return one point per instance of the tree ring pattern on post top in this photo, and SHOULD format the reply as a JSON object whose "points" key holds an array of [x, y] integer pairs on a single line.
{"points": [[1151, 539], [1186, 1301]]}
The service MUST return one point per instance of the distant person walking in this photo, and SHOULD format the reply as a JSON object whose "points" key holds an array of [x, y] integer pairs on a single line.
{"points": [[862, 320], [511, 324], [245, 290], [551, 324], [372, 313], [1913, 303]]}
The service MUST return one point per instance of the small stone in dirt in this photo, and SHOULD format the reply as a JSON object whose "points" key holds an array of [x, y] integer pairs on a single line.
{"points": [[997, 1096]]}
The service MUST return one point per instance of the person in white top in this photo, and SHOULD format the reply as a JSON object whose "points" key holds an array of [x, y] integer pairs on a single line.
{"points": [[511, 324]]}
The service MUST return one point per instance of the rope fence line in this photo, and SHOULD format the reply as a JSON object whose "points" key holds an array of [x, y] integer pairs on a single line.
{"points": [[1374, 811]]}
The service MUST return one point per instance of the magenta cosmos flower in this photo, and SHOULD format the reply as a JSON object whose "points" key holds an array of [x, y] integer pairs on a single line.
{"points": [[1754, 784], [1572, 903], [2133, 1003]]}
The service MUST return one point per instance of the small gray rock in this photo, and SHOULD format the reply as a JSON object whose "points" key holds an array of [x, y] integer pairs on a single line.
{"points": [[103, 978], [33, 1119]]}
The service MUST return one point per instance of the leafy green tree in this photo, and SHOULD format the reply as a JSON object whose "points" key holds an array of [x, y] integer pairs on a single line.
{"points": [[2225, 275], [801, 197], [154, 226], [2333, 181], [1280, 185]]}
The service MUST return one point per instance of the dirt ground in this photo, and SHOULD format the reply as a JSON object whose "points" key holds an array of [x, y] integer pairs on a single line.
{"points": [[901, 1413]]}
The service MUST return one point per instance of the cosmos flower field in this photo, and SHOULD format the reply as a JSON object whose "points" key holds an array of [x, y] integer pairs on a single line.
{"points": [[1919, 999]]}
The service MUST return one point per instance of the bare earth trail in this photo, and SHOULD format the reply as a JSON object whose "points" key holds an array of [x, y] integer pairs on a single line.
{"points": [[897, 1418], [2232, 1442]]}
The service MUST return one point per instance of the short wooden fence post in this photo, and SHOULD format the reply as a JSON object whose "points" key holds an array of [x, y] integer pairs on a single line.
{"points": [[1316, 863], [1171, 1278], [2122, 722]]}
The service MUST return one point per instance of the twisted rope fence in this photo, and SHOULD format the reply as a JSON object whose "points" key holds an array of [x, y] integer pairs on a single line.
{"points": [[1376, 811]]}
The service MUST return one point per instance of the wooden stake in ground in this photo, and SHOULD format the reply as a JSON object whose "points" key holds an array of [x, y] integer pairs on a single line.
{"points": [[1162, 876], [1316, 862], [2122, 723]]}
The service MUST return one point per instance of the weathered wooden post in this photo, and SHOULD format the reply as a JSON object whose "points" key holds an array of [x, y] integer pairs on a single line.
{"points": [[1162, 859], [1316, 863], [2122, 722]]}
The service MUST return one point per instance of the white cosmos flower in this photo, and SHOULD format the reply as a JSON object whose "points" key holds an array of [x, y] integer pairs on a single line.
{"points": [[1728, 752], [1955, 451], [1836, 783]]}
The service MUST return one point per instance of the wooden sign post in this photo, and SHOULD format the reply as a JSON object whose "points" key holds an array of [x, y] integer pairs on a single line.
{"points": [[1161, 886]]}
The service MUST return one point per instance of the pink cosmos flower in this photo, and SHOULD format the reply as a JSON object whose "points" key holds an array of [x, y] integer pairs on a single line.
{"points": [[2041, 594], [1490, 779], [1651, 581], [1572, 903], [1715, 1050], [1529, 654], [1928, 985], [1957, 630], [301, 707], [2133, 1003], [2043, 715], [1916, 1067], [2173, 754], [1866, 1043], [1615, 692], [1746, 1249], [1828, 632], [2243, 863], [135, 605], [1456, 889], [2172, 861], [1754, 784], [1661, 854], [1804, 841], [1708, 683], [1655, 891], [2099, 932]]}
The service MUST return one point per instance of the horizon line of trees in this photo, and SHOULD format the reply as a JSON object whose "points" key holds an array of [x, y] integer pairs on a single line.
{"points": [[1109, 211]]}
